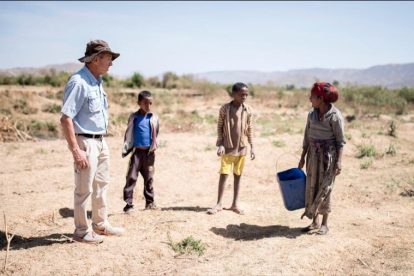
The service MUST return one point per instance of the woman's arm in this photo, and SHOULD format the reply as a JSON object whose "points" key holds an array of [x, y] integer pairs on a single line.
{"points": [[338, 164], [302, 158], [305, 145]]}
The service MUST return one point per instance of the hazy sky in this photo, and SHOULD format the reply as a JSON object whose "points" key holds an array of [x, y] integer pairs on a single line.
{"points": [[194, 37]]}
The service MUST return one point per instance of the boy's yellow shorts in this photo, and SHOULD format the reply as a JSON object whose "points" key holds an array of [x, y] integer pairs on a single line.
{"points": [[227, 161]]}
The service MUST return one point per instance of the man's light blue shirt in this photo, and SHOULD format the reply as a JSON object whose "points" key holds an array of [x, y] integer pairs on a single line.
{"points": [[85, 103]]}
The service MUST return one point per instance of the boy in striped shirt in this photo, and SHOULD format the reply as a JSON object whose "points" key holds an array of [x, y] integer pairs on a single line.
{"points": [[234, 125]]}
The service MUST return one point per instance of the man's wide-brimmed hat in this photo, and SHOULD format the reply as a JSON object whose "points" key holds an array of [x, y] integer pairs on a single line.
{"points": [[95, 47]]}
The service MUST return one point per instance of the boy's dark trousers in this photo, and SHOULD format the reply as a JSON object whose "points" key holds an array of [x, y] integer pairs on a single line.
{"points": [[140, 162]]}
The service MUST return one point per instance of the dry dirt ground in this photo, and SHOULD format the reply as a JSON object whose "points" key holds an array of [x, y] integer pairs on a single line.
{"points": [[371, 226]]}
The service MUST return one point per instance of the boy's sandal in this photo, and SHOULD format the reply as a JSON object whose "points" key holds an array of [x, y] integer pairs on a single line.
{"points": [[238, 210], [214, 210], [322, 232], [151, 206]]}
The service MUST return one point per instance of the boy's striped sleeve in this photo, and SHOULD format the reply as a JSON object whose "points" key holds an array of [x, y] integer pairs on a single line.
{"points": [[220, 123]]}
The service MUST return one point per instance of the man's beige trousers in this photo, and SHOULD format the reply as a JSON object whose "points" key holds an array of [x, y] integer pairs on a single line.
{"points": [[93, 182]]}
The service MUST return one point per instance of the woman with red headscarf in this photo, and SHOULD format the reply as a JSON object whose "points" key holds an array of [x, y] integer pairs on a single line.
{"points": [[322, 146]]}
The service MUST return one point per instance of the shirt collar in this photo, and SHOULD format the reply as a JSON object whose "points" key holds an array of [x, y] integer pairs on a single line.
{"points": [[331, 110], [91, 77], [242, 105], [148, 113]]}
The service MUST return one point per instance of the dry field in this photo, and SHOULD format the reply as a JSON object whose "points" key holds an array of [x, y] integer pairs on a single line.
{"points": [[371, 226]]}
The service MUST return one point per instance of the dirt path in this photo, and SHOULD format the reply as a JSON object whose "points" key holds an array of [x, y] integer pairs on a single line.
{"points": [[371, 224]]}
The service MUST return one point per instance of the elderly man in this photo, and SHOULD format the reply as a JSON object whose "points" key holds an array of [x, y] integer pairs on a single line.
{"points": [[84, 123]]}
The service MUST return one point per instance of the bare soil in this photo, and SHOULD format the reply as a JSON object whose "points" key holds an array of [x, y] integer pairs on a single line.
{"points": [[371, 225]]}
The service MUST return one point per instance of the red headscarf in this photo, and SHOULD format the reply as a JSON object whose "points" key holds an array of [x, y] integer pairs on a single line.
{"points": [[327, 91]]}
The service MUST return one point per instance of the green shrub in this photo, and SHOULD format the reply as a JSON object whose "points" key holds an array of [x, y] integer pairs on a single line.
{"points": [[290, 87], [169, 80], [138, 80], [391, 150], [252, 90], [5, 111], [279, 144], [42, 129], [162, 144], [60, 79], [52, 108], [59, 95], [107, 80], [366, 150], [187, 245], [154, 82], [195, 117], [41, 151], [20, 105], [51, 127], [366, 164], [374, 96], [121, 119], [211, 120], [407, 94], [229, 90]]}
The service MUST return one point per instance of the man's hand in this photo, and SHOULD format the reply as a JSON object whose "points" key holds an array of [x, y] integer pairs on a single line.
{"points": [[301, 163], [337, 168], [220, 151], [79, 156]]}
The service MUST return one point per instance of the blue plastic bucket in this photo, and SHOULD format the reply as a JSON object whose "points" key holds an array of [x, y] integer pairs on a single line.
{"points": [[292, 185]]}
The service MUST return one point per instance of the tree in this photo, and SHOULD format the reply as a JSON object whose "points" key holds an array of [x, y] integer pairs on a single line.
{"points": [[154, 82], [169, 79], [107, 79], [138, 80], [290, 87]]}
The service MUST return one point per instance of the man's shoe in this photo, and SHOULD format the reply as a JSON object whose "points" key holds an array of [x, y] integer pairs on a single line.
{"points": [[129, 208], [151, 206], [90, 237], [110, 231]]}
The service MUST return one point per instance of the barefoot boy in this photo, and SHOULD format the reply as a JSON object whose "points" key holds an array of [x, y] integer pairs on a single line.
{"points": [[141, 140], [234, 124]]}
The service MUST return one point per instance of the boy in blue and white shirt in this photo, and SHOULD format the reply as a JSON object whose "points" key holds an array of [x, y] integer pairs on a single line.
{"points": [[141, 140]]}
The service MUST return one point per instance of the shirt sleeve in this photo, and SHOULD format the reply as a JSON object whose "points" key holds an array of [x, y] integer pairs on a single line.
{"points": [[338, 127], [220, 123], [73, 99], [250, 127], [306, 135]]}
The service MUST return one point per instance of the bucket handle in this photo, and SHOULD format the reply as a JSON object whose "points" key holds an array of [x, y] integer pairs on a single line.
{"points": [[281, 156]]}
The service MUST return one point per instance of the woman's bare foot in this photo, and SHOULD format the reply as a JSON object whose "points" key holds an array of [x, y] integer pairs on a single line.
{"points": [[312, 226], [323, 230]]}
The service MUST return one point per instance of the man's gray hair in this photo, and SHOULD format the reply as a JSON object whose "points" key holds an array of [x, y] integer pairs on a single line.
{"points": [[100, 55]]}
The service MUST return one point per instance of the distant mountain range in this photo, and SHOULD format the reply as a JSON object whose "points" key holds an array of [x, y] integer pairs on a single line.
{"points": [[390, 75], [37, 71]]}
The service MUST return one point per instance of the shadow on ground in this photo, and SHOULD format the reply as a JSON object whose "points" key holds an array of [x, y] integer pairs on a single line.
{"points": [[20, 242], [186, 208], [247, 232], [68, 213]]}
